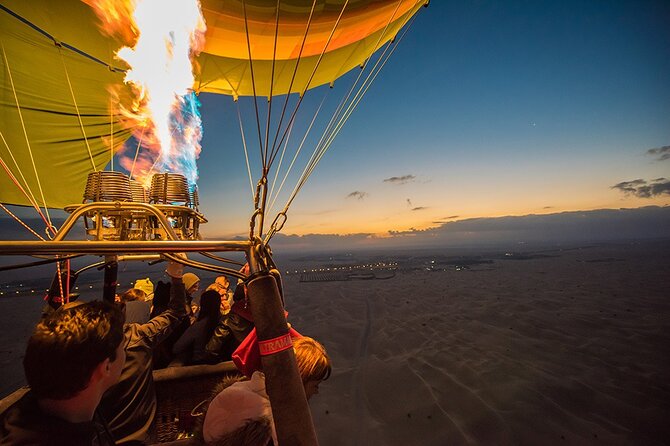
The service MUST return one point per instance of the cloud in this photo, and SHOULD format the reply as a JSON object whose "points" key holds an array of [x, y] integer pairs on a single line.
{"points": [[400, 180], [649, 222], [445, 219], [642, 189], [357, 194], [419, 208], [548, 207], [663, 153]]}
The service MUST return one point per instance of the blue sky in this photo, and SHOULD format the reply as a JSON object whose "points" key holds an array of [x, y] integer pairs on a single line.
{"points": [[486, 109]]}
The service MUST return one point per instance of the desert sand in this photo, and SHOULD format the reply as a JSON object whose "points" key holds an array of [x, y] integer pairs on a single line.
{"points": [[553, 346], [571, 348]]}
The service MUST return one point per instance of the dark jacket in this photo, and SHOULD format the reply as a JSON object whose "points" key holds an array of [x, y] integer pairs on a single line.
{"points": [[190, 347], [231, 331], [26, 424], [130, 406]]}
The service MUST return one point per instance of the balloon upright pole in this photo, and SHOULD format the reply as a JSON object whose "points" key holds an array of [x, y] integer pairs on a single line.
{"points": [[292, 417], [109, 284]]}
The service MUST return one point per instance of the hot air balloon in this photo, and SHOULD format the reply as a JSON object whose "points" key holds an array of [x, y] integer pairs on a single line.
{"points": [[66, 110]]}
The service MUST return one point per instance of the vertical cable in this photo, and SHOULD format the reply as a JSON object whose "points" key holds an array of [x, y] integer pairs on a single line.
{"points": [[76, 108], [137, 150], [295, 72], [272, 81], [25, 134], [253, 81], [246, 153], [316, 67], [111, 134]]}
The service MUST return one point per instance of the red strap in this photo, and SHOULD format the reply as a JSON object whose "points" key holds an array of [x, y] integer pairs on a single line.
{"points": [[275, 345]]}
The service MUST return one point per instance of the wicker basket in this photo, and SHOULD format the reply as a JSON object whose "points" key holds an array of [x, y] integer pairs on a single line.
{"points": [[179, 391]]}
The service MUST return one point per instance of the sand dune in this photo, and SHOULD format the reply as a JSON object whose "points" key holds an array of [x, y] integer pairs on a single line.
{"points": [[567, 349], [558, 347]]}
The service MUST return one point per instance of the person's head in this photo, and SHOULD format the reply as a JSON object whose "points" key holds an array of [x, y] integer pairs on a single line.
{"points": [[133, 294], [74, 347], [210, 305], [222, 282], [145, 285], [220, 285], [313, 363], [191, 283]]}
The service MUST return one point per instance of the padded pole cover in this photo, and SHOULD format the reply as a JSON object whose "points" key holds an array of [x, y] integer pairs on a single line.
{"points": [[293, 419]]}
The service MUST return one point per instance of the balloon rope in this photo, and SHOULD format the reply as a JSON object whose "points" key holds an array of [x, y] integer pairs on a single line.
{"points": [[60, 43], [357, 98], [30, 151], [374, 72], [295, 156], [137, 150], [253, 83], [111, 134], [320, 151], [343, 112], [67, 281], [76, 108], [295, 72], [16, 182], [316, 67], [60, 282], [246, 153], [281, 161], [345, 99], [272, 80], [21, 222]]}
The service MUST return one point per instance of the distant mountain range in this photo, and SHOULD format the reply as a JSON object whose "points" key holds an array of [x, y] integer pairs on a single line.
{"points": [[651, 222]]}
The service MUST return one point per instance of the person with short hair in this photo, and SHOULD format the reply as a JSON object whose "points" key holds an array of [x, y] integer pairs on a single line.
{"points": [[73, 356], [241, 413]]}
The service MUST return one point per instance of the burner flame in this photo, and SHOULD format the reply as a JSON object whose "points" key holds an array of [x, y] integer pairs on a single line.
{"points": [[162, 39]]}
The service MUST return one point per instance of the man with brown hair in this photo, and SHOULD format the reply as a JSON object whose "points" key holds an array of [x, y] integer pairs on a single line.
{"points": [[73, 356]]}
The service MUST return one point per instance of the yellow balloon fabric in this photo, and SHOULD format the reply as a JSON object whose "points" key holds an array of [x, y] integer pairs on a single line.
{"points": [[58, 118], [44, 142], [234, 38]]}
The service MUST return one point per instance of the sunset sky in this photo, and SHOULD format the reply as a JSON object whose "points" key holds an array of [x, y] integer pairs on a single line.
{"points": [[486, 109]]}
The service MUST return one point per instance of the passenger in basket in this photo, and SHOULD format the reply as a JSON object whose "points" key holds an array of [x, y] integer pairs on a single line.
{"points": [[73, 356], [222, 286], [137, 309], [232, 328], [130, 406], [190, 348], [241, 414]]}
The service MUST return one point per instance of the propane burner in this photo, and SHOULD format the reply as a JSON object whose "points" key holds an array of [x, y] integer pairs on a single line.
{"points": [[117, 208], [169, 188], [107, 186]]}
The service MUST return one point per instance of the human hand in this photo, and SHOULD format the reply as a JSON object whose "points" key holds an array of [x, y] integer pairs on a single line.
{"points": [[175, 270]]}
